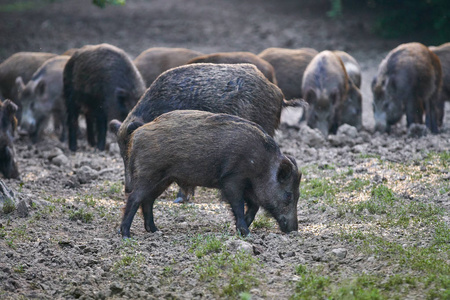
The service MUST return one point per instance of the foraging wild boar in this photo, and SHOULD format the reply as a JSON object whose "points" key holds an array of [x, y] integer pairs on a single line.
{"points": [[238, 58], [154, 61], [408, 81], [22, 64], [8, 124], [351, 66], [236, 89], [443, 53], [43, 97], [289, 65], [197, 148], [325, 88], [101, 82]]}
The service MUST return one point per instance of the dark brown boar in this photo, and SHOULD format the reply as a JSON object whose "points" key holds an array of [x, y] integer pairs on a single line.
{"points": [[236, 89], [238, 58], [196, 148], [42, 97], [325, 88], [8, 125], [102, 82], [408, 82], [154, 61], [289, 65], [443, 53], [22, 64], [351, 66]]}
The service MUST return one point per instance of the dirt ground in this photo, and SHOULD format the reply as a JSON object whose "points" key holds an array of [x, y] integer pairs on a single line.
{"points": [[67, 245]]}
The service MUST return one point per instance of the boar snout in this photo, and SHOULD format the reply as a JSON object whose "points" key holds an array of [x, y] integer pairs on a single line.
{"points": [[288, 223]]}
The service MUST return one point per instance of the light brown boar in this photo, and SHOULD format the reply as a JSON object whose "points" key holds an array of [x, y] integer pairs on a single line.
{"points": [[154, 61]]}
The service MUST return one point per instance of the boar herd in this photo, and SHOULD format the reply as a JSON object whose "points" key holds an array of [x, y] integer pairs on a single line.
{"points": [[209, 119]]}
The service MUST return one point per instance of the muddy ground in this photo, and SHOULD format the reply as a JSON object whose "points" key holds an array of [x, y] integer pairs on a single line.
{"points": [[373, 211]]}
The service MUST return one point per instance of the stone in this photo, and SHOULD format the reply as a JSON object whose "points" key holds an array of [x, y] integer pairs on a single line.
{"points": [[239, 245], [345, 135], [22, 209], [340, 253], [86, 174], [60, 160], [311, 137]]}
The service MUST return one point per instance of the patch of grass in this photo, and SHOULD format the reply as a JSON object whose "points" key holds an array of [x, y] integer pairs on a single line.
{"points": [[45, 212], [230, 274], [81, 214], [112, 190], [382, 199], [316, 187], [263, 221], [19, 6], [58, 200], [202, 245], [356, 184], [131, 260], [8, 206]]}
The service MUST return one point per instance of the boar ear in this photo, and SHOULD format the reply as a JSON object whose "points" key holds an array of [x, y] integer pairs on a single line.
{"points": [[40, 88], [133, 126], [19, 84], [114, 126], [9, 107], [284, 170]]}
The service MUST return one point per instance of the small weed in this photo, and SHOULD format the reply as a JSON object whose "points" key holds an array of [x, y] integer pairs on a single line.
{"points": [[131, 261], [8, 206], [368, 155], [317, 188], [263, 221], [81, 214], [356, 184], [19, 268], [203, 245]]}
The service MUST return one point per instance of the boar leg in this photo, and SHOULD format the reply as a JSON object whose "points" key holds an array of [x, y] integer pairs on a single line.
{"points": [[90, 129], [433, 116], [134, 199], [250, 214], [232, 193], [72, 122], [102, 125], [147, 205]]}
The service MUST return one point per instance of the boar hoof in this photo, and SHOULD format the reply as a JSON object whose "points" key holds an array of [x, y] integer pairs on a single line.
{"points": [[243, 231], [151, 228], [179, 200]]}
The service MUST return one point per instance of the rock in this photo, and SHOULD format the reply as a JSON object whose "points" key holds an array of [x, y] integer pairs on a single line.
{"points": [[116, 288], [340, 253], [8, 200], [345, 135], [417, 130], [22, 209], [86, 174], [311, 137], [239, 245], [60, 160], [53, 153]]}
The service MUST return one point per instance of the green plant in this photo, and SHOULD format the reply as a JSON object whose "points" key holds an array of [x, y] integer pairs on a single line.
{"points": [[8, 206], [81, 214]]}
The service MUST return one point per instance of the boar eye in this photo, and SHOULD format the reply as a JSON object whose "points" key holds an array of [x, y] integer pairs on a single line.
{"points": [[287, 197]]}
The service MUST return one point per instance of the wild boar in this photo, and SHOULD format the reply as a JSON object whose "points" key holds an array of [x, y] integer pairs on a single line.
{"points": [[197, 148], [325, 88], [408, 82], [236, 89], [22, 64], [154, 61], [289, 65], [42, 97], [102, 82], [443, 53], [238, 58], [8, 125]]}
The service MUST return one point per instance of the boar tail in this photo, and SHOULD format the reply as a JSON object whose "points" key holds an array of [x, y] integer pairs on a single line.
{"points": [[295, 103]]}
